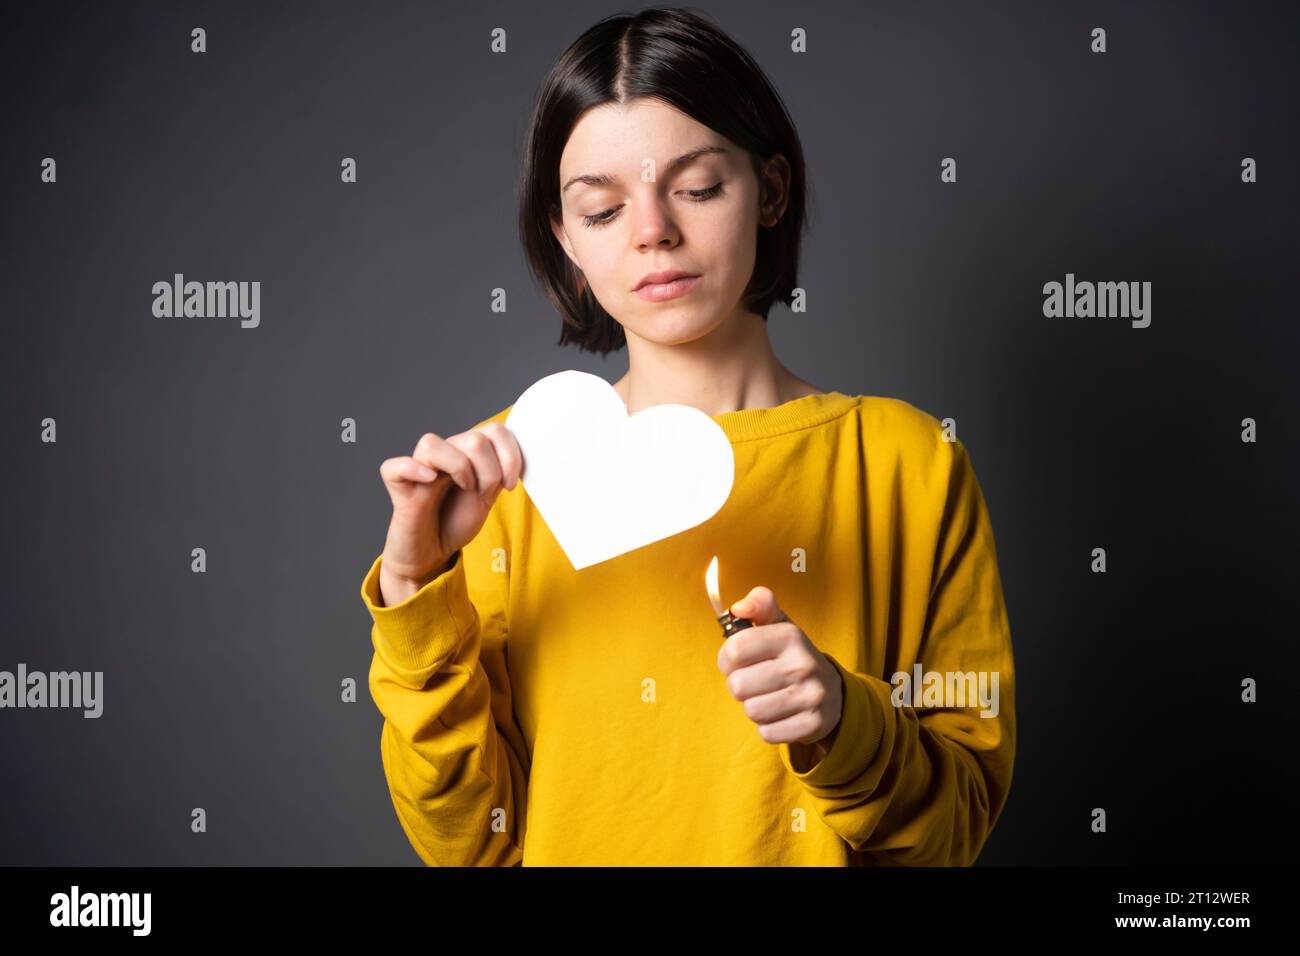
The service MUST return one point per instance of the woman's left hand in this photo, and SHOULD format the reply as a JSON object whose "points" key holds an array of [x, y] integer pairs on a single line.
{"points": [[789, 688]]}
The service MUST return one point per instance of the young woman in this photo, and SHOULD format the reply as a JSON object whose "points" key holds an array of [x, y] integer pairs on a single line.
{"points": [[538, 715]]}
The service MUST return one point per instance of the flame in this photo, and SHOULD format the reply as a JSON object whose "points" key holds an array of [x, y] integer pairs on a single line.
{"points": [[711, 581]]}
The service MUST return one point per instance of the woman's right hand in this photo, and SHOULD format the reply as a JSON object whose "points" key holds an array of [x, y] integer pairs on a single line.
{"points": [[442, 493]]}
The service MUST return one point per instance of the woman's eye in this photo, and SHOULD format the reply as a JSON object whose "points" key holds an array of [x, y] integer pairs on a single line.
{"points": [[697, 195], [600, 218], [701, 195]]}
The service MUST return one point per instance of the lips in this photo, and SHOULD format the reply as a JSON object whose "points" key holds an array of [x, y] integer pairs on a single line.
{"points": [[660, 278], [663, 291]]}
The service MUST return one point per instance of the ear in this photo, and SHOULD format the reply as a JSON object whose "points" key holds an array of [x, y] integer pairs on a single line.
{"points": [[557, 229], [774, 188]]}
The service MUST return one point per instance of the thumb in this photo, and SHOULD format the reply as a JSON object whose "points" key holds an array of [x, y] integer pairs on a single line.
{"points": [[759, 606]]}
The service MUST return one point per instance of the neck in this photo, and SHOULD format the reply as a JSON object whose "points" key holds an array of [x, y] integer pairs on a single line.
{"points": [[730, 369]]}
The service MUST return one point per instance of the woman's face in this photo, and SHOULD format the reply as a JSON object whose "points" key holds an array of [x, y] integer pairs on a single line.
{"points": [[629, 211]]}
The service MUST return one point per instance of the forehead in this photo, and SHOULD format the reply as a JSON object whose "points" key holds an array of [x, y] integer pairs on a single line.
{"points": [[611, 137]]}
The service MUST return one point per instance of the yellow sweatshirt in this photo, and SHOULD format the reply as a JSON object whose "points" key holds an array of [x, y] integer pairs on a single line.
{"points": [[537, 715]]}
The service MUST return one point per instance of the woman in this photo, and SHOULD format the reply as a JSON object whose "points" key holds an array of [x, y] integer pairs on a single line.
{"points": [[539, 715]]}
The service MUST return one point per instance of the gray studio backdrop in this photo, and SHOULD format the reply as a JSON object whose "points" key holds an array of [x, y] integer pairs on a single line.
{"points": [[222, 689]]}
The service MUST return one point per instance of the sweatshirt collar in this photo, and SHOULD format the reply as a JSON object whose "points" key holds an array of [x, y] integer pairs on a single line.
{"points": [[798, 413]]}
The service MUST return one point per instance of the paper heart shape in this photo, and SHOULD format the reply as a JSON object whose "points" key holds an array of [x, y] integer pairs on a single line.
{"points": [[606, 482]]}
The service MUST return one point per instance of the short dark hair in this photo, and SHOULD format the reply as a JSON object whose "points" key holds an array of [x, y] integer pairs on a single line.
{"points": [[676, 55]]}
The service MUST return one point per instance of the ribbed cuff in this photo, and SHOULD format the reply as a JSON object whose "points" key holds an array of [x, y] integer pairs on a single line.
{"points": [[857, 737], [426, 628]]}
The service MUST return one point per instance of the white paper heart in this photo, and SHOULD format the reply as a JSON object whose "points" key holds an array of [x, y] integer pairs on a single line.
{"points": [[606, 482]]}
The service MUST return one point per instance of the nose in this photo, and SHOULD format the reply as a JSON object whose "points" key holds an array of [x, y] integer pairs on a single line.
{"points": [[654, 226]]}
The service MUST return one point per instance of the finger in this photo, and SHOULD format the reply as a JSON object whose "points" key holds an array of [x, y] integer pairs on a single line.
{"points": [[749, 646], [439, 454], [777, 706], [790, 730], [759, 606], [765, 677], [482, 455], [406, 468], [508, 452]]}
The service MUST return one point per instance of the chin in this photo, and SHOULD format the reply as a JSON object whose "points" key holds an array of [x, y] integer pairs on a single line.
{"points": [[674, 329], [675, 322]]}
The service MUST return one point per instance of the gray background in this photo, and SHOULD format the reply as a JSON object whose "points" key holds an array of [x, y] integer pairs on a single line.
{"points": [[222, 689]]}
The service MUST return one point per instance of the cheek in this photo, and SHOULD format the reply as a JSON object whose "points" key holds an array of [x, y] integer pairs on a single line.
{"points": [[599, 259], [732, 252], [731, 242]]}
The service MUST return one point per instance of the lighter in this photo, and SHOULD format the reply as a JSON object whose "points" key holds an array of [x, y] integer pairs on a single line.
{"points": [[730, 623]]}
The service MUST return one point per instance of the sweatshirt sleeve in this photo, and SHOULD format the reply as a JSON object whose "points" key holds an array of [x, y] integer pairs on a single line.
{"points": [[918, 786], [455, 760]]}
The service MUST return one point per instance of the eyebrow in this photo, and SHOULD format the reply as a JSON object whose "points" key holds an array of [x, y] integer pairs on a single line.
{"points": [[605, 179]]}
